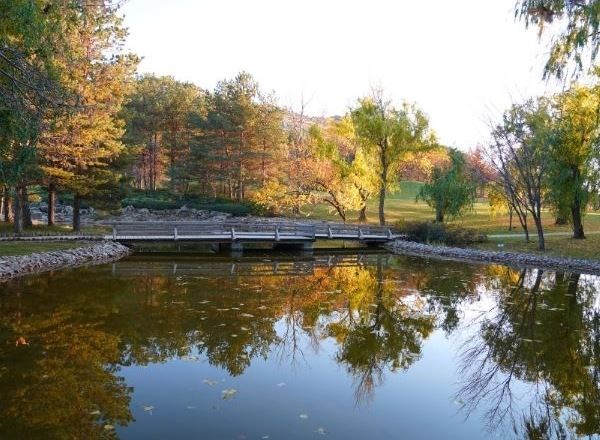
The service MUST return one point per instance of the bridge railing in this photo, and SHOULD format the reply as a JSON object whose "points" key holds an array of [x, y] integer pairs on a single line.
{"points": [[249, 230], [223, 230], [358, 231]]}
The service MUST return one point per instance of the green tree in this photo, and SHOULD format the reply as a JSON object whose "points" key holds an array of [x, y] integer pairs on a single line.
{"points": [[575, 153], [31, 34], [451, 191], [240, 138], [338, 167], [519, 154], [389, 135], [579, 33], [159, 117], [87, 138]]}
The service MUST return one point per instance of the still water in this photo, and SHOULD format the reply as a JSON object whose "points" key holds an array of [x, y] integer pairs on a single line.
{"points": [[342, 346]]}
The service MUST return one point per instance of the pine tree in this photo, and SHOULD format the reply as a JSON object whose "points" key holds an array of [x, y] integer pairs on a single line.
{"points": [[98, 77]]}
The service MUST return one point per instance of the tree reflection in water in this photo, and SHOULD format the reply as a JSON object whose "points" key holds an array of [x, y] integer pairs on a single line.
{"points": [[544, 332]]}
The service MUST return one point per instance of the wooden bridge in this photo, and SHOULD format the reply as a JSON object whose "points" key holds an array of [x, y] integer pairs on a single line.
{"points": [[235, 234]]}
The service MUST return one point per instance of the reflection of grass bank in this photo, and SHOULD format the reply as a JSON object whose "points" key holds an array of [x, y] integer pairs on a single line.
{"points": [[9, 248], [556, 245]]}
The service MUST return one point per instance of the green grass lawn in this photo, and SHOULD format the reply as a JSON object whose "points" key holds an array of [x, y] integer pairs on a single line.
{"points": [[58, 229], [401, 206], [25, 247]]}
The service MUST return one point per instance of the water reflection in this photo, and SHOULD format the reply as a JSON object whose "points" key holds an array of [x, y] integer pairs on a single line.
{"points": [[545, 332], [68, 337]]}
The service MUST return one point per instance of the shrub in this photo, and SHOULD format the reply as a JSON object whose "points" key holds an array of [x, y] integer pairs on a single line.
{"points": [[435, 232], [161, 199]]}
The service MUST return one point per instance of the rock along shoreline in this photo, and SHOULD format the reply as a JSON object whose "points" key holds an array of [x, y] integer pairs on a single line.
{"points": [[513, 259], [94, 253]]}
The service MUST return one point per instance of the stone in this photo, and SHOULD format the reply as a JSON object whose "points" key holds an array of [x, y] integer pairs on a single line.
{"points": [[506, 258], [95, 253]]}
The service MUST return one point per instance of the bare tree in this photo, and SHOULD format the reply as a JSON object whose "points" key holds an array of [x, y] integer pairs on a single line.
{"points": [[518, 152]]}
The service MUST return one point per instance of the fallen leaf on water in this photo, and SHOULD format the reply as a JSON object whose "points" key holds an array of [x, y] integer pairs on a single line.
{"points": [[265, 437], [234, 335], [107, 427], [262, 307], [281, 384], [21, 341], [228, 393], [320, 430], [303, 416], [190, 407], [95, 413], [244, 329], [246, 315], [210, 382], [148, 409]]}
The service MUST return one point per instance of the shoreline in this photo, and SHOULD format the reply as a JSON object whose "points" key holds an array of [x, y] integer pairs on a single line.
{"points": [[513, 259], [94, 253]]}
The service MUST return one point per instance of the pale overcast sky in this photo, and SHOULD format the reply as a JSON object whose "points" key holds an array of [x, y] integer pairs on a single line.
{"points": [[461, 61]]}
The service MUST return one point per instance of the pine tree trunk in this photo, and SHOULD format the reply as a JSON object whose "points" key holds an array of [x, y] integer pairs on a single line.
{"points": [[27, 222], [18, 210], [51, 204], [8, 211], [77, 213], [578, 232]]}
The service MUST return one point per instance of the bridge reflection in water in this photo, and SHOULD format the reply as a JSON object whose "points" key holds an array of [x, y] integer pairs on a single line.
{"points": [[278, 265]]}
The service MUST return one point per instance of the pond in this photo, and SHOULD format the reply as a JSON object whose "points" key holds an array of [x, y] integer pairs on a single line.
{"points": [[339, 346]]}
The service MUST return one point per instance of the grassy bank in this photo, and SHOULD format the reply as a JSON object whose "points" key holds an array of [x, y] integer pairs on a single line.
{"points": [[556, 245], [7, 229], [11, 248]]}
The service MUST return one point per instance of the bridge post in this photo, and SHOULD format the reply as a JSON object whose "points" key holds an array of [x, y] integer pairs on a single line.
{"points": [[277, 233], [175, 237], [237, 249], [114, 232]]}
